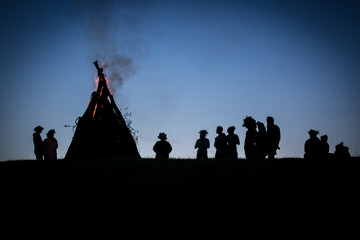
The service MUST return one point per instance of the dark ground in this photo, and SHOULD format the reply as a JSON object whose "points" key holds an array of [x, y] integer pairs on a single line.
{"points": [[286, 189]]}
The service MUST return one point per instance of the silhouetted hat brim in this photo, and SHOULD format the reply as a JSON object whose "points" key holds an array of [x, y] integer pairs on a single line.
{"points": [[51, 131], [313, 132]]}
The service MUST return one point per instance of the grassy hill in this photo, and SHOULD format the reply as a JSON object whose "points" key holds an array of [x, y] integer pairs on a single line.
{"points": [[287, 187]]}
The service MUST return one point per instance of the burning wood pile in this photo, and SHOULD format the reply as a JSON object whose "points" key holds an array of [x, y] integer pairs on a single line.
{"points": [[102, 131]]}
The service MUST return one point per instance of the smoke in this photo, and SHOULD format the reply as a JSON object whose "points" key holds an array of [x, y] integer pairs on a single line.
{"points": [[113, 31]]}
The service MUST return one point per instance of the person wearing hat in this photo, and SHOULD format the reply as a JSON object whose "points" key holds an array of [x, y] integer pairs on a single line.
{"points": [[312, 146], [38, 143], [162, 148], [202, 144], [50, 145]]}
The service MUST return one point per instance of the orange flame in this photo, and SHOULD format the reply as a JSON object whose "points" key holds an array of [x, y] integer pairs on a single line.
{"points": [[96, 80], [94, 111]]}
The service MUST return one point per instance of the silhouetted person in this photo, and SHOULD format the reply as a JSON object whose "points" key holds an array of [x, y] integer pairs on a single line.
{"points": [[312, 146], [260, 141], [324, 147], [232, 140], [38, 143], [342, 152], [273, 137], [202, 144], [249, 145], [162, 148], [50, 145], [220, 143]]}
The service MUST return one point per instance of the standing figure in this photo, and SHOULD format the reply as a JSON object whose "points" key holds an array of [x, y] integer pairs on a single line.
{"points": [[324, 147], [260, 141], [232, 140], [202, 144], [249, 145], [273, 137], [50, 145], [38, 143], [342, 152], [220, 143], [312, 146], [162, 148]]}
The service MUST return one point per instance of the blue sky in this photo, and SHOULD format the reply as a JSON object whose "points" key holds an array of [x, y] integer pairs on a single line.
{"points": [[195, 65]]}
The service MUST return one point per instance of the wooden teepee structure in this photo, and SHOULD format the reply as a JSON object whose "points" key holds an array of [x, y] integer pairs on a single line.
{"points": [[102, 131]]}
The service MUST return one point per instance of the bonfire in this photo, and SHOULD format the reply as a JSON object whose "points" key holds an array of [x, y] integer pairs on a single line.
{"points": [[102, 131]]}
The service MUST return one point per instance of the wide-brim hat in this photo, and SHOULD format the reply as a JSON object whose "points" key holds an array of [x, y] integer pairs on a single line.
{"points": [[162, 136], [51, 131], [204, 131], [38, 128], [313, 132]]}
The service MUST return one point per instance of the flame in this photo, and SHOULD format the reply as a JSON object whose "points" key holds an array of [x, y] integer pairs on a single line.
{"points": [[94, 110], [108, 85], [96, 80]]}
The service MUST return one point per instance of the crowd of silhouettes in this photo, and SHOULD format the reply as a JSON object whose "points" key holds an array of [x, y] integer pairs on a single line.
{"points": [[263, 141], [47, 149], [319, 149], [260, 142], [226, 145]]}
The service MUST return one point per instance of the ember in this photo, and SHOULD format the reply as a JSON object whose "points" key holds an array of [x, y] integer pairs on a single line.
{"points": [[102, 130]]}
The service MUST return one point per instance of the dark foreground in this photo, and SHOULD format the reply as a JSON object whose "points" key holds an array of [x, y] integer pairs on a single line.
{"points": [[282, 188]]}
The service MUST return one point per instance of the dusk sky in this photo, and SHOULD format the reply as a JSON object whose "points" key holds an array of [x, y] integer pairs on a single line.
{"points": [[180, 67]]}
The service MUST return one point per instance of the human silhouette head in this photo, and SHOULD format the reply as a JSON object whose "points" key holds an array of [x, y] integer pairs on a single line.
{"points": [[231, 130], [219, 129], [342, 152], [203, 133], [324, 138], [38, 129], [261, 126], [313, 133], [341, 147], [51, 133], [162, 136], [249, 123], [270, 120]]}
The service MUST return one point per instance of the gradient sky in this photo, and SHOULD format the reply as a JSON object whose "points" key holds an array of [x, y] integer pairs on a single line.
{"points": [[195, 65]]}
